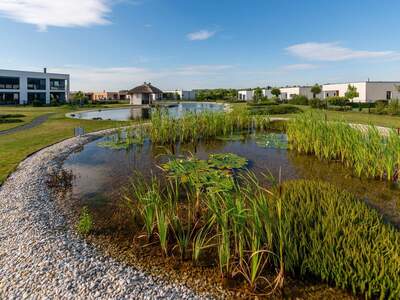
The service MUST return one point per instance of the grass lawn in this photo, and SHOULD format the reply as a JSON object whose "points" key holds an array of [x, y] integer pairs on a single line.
{"points": [[16, 147]]}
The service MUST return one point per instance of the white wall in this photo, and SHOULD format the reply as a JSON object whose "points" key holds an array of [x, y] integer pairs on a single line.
{"points": [[378, 90], [330, 90], [289, 92], [23, 83], [135, 99], [245, 95]]}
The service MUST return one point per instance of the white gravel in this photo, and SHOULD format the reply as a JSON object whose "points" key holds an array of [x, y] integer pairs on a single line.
{"points": [[40, 258]]}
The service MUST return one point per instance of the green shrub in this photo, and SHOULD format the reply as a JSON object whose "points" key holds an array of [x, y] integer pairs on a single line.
{"points": [[299, 100], [330, 234], [380, 106], [340, 108], [85, 222], [8, 116], [276, 110], [317, 103], [394, 107], [8, 121], [337, 101]]}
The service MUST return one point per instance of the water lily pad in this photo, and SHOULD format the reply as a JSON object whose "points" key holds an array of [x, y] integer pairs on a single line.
{"points": [[227, 161]]}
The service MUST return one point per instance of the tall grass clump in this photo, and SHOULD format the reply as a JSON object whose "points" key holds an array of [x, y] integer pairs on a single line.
{"points": [[365, 150], [258, 235], [330, 234], [193, 127]]}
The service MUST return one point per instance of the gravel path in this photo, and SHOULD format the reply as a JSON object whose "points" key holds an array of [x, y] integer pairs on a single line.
{"points": [[40, 258], [34, 123]]}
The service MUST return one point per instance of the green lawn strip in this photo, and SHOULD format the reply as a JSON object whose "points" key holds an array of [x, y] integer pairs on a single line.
{"points": [[30, 113], [16, 147]]}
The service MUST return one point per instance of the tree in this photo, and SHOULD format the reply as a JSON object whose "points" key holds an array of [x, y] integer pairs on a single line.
{"points": [[276, 92], [79, 97], [258, 94], [351, 92], [316, 89]]}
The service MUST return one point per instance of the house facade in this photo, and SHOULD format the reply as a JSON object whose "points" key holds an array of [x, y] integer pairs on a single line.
{"points": [[245, 95], [369, 91], [179, 95], [287, 93], [144, 94], [22, 87]]}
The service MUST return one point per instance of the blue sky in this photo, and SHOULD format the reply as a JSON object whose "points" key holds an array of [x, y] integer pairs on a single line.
{"points": [[117, 44]]}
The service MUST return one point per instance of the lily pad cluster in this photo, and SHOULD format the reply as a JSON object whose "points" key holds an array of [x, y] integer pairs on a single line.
{"points": [[272, 140], [214, 173]]}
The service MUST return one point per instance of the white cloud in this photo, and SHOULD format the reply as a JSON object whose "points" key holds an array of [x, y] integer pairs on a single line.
{"points": [[60, 13], [298, 67], [200, 35], [333, 52]]}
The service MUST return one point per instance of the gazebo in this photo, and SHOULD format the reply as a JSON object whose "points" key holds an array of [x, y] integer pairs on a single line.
{"points": [[144, 94]]}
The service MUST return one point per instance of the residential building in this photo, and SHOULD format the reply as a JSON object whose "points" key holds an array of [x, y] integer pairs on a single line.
{"points": [[369, 91], [287, 93], [22, 87], [245, 95], [102, 96], [179, 95], [144, 94]]}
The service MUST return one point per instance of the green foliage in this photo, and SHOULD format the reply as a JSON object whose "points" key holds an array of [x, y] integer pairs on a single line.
{"points": [[125, 138], [272, 140], [79, 98], [228, 95], [317, 103], [197, 127], [394, 107], [299, 100], [351, 92], [337, 101], [367, 152], [330, 234], [340, 108], [316, 89], [227, 161], [275, 110], [85, 222], [276, 92], [257, 94]]}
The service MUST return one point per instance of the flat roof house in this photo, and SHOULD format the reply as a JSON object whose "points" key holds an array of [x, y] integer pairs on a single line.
{"points": [[144, 94], [22, 87], [180, 95], [369, 91], [245, 95], [287, 93]]}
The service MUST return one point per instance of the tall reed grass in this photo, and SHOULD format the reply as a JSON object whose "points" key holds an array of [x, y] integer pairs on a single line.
{"points": [[303, 228], [366, 151]]}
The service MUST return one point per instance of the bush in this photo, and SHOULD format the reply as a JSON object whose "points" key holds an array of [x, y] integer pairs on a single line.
{"points": [[380, 106], [337, 101], [8, 121], [393, 107], [263, 103], [275, 110], [299, 100], [330, 234], [340, 108], [8, 116], [317, 103]]}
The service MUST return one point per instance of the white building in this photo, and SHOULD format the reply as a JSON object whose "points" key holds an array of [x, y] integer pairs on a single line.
{"points": [[245, 95], [287, 93], [369, 91], [144, 94], [180, 95], [21, 87]]}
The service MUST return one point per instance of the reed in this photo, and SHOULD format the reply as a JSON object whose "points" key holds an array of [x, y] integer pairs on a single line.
{"points": [[366, 151]]}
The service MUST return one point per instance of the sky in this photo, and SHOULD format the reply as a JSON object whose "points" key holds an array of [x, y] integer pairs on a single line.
{"points": [[188, 44]]}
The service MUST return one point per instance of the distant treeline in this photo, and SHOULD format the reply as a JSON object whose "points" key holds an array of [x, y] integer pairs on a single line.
{"points": [[217, 95]]}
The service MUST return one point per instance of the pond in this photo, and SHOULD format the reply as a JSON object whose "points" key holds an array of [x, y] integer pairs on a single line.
{"points": [[101, 173], [101, 176], [132, 113]]}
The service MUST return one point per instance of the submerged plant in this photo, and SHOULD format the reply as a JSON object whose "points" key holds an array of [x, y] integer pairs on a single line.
{"points": [[85, 222]]}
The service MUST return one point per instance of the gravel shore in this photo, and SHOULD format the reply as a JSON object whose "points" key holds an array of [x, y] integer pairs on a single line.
{"points": [[40, 258]]}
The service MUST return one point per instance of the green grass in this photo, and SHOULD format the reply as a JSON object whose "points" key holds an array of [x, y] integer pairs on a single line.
{"points": [[29, 112], [16, 147]]}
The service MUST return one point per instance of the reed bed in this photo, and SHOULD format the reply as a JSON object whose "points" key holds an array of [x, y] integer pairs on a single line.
{"points": [[367, 152], [303, 228], [193, 127]]}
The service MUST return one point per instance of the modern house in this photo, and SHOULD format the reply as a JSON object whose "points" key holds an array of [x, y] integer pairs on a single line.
{"points": [[144, 94], [287, 93], [369, 91], [179, 95], [245, 95], [22, 87], [102, 96]]}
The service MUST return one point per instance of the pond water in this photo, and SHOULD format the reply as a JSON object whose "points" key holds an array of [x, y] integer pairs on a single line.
{"points": [[132, 113], [100, 174]]}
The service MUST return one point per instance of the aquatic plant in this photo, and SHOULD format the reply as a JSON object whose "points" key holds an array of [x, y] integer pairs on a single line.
{"points": [[227, 161], [272, 140], [368, 152], [85, 222]]}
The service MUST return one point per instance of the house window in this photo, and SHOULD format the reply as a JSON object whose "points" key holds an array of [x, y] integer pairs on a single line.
{"points": [[388, 95], [9, 83], [57, 84], [36, 84]]}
